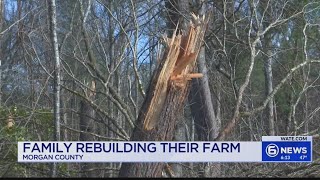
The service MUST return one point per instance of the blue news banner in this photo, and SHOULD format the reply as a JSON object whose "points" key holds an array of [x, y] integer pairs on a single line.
{"points": [[287, 148], [270, 149]]}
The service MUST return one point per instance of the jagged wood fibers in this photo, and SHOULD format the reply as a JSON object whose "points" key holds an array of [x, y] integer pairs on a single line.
{"points": [[166, 95], [179, 59]]}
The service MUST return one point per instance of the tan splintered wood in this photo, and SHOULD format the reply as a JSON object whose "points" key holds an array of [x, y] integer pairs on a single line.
{"points": [[10, 122], [177, 63], [187, 76], [160, 92], [183, 63]]}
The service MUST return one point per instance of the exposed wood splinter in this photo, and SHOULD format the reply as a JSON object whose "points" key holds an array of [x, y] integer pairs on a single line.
{"points": [[10, 122], [181, 52], [187, 76], [183, 63]]}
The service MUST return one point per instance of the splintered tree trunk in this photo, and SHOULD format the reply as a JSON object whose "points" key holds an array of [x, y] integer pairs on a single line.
{"points": [[166, 95], [176, 9]]}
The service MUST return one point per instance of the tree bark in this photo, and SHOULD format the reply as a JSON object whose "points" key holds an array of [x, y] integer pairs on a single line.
{"points": [[1, 56], [202, 110], [180, 135], [165, 99], [201, 104], [206, 124], [177, 8], [54, 41], [87, 113], [268, 84], [163, 132], [87, 125]]}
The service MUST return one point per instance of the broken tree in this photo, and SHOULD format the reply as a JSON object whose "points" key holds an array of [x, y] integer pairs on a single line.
{"points": [[166, 94]]}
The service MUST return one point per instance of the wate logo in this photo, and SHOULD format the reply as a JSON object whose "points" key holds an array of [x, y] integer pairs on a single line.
{"points": [[272, 150]]}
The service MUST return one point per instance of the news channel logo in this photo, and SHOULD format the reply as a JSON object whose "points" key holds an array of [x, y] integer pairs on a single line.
{"points": [[287, 151], [272, 150]]}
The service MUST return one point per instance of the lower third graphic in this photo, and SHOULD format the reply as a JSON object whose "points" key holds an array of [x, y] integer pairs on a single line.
{"points": [[286, 151]]}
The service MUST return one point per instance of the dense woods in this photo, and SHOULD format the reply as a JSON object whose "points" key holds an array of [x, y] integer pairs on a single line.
{"points": [[85, 70]]}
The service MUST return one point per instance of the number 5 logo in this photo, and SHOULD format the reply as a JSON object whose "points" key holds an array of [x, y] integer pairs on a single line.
{"points": [[272, 150]]}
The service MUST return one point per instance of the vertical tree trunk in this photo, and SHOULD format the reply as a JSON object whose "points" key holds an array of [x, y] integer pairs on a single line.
{"points": [[65, 133], [180, 135], [111, 65], [1, 56], [163, 132], [268, 84], [87, 113], [165, 99], [86, 126], [201, 104], [176, 10], [54, 41], [207, 125]]}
